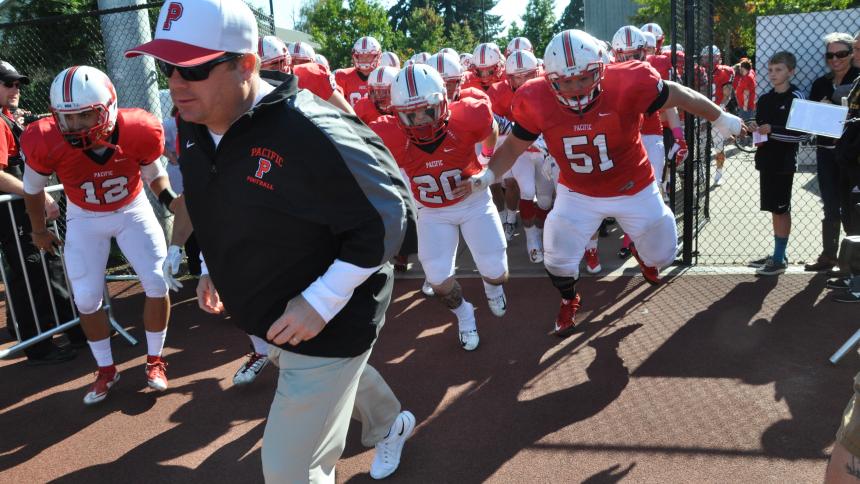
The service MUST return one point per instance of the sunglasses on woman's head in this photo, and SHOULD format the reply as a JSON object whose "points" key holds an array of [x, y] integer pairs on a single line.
{"points": [[195, 73], [841, 54]]}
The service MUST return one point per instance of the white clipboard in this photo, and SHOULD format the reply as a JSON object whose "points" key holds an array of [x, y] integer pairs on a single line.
{"points": [[817, 118]]}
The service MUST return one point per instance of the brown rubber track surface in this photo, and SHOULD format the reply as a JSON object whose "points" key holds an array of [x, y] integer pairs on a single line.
{"points": [[709, 378]]}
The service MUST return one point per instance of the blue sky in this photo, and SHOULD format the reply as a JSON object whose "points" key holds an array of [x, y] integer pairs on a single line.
{"points": [[287, 11]]}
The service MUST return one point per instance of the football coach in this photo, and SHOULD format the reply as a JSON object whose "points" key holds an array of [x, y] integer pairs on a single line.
{"points": [[298, 208]]}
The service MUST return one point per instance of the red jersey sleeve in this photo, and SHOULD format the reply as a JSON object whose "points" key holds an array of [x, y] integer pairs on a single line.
{"points": [[316, 79], [392, 136], [36, 144], [145, 139], [472, 119], [501, 96], [366, 110], [662, 63], [526, 105], [641, 85]]}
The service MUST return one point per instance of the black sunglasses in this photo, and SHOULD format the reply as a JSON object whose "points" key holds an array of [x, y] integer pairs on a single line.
{"points": [[11, 84], [198, 72], [841, 54]]}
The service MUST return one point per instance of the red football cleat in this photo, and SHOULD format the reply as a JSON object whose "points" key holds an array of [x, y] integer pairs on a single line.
{"points": [[105, 379], [565, 324], [156, 374], [592, 261], [651, 274]]}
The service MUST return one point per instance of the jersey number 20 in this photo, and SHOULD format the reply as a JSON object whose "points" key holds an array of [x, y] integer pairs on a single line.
{"points": [[428, 187], [582, 162]]}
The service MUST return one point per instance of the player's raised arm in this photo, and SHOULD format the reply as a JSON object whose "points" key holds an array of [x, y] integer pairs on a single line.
{"points": [[697, 104]]}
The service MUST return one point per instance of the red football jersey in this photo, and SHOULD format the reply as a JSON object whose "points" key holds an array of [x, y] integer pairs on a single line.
{"points": [[366, 110], [352, 85], [502, 97], [104, 185], [599, 152], [472, 81], [316, 79], [433, 176], [662, 64], [721, 76], [474, 93], [393, 137], [746, 84]]}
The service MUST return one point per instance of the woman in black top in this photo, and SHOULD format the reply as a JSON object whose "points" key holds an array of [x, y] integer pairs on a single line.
{"points": [[830, 88]]}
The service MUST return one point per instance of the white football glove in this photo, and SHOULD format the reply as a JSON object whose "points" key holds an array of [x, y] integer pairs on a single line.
{"points": [[171, 267], [728, 125], [483, 160], [483, 180]]}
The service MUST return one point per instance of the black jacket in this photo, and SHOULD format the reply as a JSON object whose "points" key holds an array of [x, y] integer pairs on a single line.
{"points": [[822, 88], [779, 153], [293, 185]]}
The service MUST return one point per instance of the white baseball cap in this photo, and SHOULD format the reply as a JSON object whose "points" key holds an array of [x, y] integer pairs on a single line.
{"points": [[192, 32]]}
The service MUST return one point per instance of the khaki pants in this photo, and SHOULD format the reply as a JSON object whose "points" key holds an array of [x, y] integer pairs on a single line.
{"points": [[308, 421]]}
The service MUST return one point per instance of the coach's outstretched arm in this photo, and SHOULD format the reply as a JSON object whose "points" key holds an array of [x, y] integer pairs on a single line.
{"points": [[697, 104]]}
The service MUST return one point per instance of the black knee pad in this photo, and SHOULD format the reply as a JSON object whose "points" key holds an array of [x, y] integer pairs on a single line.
{"points": [[565, 285]]}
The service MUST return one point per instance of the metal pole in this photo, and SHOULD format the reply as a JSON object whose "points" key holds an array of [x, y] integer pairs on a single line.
{"points": [[690, 134]]}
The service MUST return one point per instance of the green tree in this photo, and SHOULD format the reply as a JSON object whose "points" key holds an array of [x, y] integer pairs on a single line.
{"points": [[462, 38], [337, 28], [538, 23], [426, 32], [42, 49], [734, 20], [453, 12], [573, 17]]}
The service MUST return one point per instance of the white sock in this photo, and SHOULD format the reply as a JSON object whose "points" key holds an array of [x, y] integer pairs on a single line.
{"points": [[101, 352], [493, 290], [465, 316], [540, 237], [592, 244], [511, 216], [261, 347], [532, 235], [155, 342]]}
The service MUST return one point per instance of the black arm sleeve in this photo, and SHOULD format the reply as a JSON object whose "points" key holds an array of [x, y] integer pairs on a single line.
{"points": [[523, 134], [660, 101]]}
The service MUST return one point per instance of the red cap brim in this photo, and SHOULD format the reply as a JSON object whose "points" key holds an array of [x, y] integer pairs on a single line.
{"points": [[174, 52]]}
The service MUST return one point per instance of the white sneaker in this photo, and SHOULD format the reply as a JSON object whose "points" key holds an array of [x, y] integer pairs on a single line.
{"points": [[718, 177], [536, 256], [533, 248], [498, 305], [249, 370], [469, 339], [427, 289], [388, 450]]}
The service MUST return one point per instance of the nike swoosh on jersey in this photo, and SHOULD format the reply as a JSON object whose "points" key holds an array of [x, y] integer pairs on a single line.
{"points": [[189, 144]]}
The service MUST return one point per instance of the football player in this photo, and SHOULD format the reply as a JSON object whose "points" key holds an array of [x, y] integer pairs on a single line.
{"points": [[436, 149], [390, 59], [378, 100], [276, 61], [525, 180], [589, 114], [518, 43], [365, 58], [101, 153], [487, 66], [721, 93]]}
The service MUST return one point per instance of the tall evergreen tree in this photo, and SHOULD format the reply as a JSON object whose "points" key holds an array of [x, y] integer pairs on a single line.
{"points": [[573, 17], [453, 12], [538, 23]]}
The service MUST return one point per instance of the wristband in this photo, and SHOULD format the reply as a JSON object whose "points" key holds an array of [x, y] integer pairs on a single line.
{"points": [[677, 132], [166, 197]]}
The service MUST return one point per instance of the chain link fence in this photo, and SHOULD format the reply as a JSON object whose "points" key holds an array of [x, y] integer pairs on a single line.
{"points": [[731, 229], [690, 31], [41, 48]]}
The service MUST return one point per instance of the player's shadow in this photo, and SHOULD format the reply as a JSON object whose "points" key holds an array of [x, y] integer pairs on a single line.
{"points": [[200, 422], [790, 351], [196, 344], [474, 397]]}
